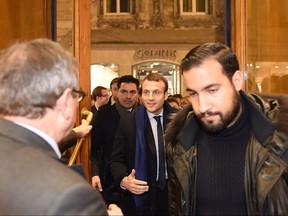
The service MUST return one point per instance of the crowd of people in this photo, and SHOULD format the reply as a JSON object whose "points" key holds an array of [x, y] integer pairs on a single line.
{"points": [[217, 151]]}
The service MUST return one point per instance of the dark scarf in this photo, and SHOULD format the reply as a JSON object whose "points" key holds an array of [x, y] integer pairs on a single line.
{"points": [[141, 119], [121, 110]]}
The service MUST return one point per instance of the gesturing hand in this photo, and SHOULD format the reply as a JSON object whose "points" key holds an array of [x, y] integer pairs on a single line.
{"points": [[96, 183], [133, 185]]}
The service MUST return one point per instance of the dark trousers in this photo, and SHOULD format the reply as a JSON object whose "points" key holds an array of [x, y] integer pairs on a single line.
{"points": [[157, 203]]}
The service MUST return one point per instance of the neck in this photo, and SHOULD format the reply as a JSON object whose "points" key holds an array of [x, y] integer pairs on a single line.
{"points": [[43, 124], [237, 116]]}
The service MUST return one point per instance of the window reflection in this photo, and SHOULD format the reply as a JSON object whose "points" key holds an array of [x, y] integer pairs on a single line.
{"points": [[169, 70], [265, 77], [102, 74], [118, 6], [193, 6], [266, 51]]}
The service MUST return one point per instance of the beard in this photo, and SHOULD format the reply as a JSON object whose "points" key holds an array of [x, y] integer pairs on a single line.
{"points": [[225, 118]]}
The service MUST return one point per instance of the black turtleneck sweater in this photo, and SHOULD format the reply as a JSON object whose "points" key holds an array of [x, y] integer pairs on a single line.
{"points": [[220, 170]]}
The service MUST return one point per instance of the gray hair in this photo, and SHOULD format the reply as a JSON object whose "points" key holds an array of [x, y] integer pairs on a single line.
{"points": [[33, 75]]}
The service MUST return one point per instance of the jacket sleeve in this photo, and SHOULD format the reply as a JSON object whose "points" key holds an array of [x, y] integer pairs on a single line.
{"points": [[118, 163], [96, 143], [172, 206], [78, 199], [68, 141]]}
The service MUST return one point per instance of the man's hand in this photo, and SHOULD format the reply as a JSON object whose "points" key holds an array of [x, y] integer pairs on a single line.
{"points": [[114, 210], [133, 185], [96, 183], [83, 129]]}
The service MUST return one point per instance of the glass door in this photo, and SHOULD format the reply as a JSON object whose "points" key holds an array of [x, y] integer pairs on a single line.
{"points": [[169, 70]]}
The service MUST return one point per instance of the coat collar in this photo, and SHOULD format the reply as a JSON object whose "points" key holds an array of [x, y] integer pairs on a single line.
{"points": [[25, 137], [261, 125]]}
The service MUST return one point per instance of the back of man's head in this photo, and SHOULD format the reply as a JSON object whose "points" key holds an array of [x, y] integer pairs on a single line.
{"points": [[33, 75]]}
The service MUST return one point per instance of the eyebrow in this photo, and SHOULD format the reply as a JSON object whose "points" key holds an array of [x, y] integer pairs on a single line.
{"points": [[128, 90], [205, 88]]}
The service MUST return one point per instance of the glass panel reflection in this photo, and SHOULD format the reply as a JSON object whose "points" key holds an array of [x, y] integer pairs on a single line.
{"points": [[168, 70]]}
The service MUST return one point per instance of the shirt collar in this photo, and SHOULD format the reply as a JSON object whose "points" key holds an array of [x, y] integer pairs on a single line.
{"points": [[47, 138], [151, 115]]}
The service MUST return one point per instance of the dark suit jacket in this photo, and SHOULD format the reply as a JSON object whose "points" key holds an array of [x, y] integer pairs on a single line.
{"points": [[102, 136], [35, 182], [123, 156]]}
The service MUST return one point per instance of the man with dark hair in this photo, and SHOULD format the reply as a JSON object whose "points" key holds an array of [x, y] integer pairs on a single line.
{"points": [[178, 97], [113, 89], [173, 102], [228, 150], [100, 95], [39, 93], [103, 133], [138, 164]]}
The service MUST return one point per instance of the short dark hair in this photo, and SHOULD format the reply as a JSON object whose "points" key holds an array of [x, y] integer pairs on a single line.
{"points": [[171, 99], [97, 91], [113, 81], [157, 77], [220, 52], [128, 79], [177, 96]]}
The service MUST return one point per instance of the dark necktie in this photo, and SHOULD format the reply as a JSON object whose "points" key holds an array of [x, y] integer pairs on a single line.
{"points": [[161, 178]]}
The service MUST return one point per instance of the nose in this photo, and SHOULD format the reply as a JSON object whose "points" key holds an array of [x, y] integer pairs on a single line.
{"points": [[129, 95], [203, 104], [151, 96]]}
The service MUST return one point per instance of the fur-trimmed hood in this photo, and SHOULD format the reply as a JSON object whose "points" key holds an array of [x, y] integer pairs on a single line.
{"points": [[273, 106]]}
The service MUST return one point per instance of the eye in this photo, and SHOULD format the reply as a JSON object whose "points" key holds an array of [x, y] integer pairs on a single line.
{"points": [[157, 92], [146, 93], [192, 94], [212, 91], [133, 92]]}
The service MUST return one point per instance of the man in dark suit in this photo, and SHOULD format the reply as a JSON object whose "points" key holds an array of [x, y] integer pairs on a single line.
{"points": [[100, 95], [103, 133], [114, 90], [138, 159], [39, 95]]}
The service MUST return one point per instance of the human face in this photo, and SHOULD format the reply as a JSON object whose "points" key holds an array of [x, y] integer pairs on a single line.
{"points": [[184, 102], [114, 90], [127, 95], [68, 103], [174, 105], [104, 98], [214, 98], [153, 96]]}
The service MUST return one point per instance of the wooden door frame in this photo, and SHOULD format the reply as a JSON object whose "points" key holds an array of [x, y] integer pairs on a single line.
{"points": [[82, 51], [238, 30]]}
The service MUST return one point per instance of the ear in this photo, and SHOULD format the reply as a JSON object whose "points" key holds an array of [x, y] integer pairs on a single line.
{"points": [[166, 95], [237, 80], [63, 103]]}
